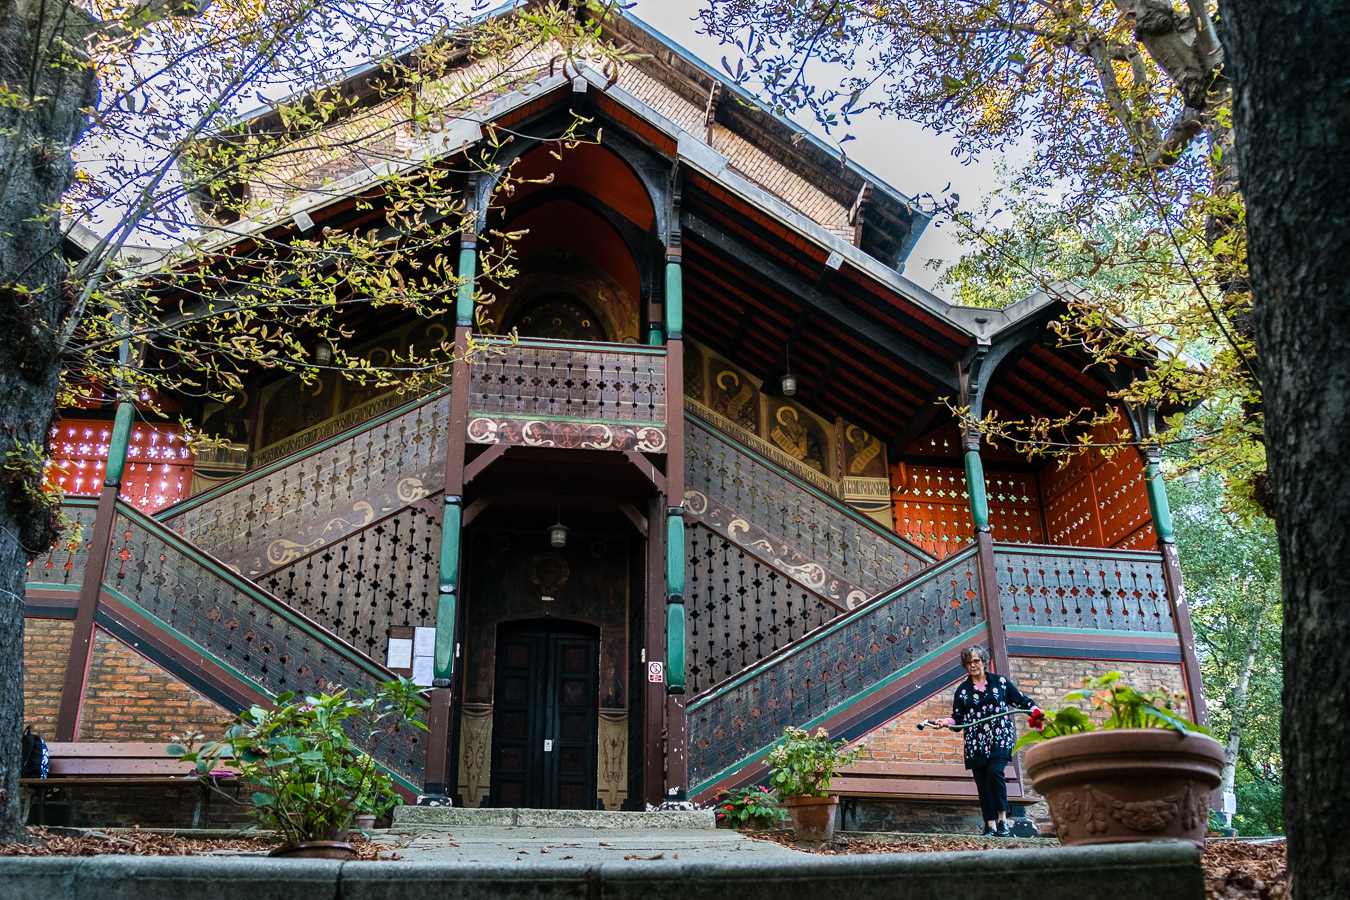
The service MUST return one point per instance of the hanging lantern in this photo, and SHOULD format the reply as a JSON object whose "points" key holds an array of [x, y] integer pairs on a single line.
{"points": [[788, 384], [557, 535]]}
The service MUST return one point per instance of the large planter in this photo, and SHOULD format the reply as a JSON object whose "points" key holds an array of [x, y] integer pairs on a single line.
{"points": [[315, 850], [812, 817], [1128, 784]]}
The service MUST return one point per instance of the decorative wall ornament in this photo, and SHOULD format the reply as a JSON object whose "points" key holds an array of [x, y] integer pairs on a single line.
{"points": [[612, 763], [567, 435], [475, 753]]}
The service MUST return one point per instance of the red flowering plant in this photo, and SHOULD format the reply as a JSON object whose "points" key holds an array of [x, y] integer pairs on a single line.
{"points": [[1124, 706], [753, 807]]}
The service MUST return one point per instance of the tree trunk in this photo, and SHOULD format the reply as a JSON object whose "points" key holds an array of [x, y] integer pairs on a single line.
{"points": [[1237, 705], [35, 170], [1293, 126]]}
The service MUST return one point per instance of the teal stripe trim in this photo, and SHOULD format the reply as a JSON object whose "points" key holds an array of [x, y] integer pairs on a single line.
{"points": [[880, 685], [1081, 552], [1041, 629], [544, 344]]}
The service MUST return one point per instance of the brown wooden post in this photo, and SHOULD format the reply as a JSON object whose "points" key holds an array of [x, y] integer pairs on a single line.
{"points": [[100, 548], [654, 650], [1161, 511], [968, 377], [437, 778], [677, 731]]}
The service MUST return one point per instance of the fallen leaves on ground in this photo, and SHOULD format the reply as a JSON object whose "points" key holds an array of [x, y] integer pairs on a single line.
{"points": [[134, 842], [1238, 870], [1234, 870]]}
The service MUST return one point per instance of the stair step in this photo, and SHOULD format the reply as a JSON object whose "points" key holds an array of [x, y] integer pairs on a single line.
{"points": [[455, 817]]}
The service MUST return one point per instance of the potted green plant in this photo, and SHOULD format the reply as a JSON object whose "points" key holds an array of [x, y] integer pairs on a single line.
{"points": [[307, 776], [1142, 773], [801, 766], [751, 807]]}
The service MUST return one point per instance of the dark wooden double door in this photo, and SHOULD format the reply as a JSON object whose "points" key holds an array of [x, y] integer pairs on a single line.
{"points": [[545, 716]]}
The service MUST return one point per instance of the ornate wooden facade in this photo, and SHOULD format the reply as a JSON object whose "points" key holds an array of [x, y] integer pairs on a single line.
{"points": [[736, 560]]}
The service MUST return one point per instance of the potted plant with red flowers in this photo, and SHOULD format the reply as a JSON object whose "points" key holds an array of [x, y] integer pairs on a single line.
{"points": [[1142, 773], [801, 766], [751, 807]]}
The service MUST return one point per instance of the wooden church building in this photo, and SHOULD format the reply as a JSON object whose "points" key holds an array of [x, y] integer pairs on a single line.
{"points": [[714, 488]]}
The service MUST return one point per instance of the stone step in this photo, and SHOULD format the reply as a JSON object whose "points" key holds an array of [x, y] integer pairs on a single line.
{"points": [[455, 817]]}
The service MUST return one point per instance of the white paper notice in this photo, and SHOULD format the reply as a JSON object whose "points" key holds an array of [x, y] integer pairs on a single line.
{"points": [[400, 653], [422, 670], [424, 641]]}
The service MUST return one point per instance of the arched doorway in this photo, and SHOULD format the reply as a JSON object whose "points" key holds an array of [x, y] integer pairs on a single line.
{"points": [[545, 715]]}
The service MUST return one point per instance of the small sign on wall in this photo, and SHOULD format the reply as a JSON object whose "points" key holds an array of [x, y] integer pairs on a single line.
{"points": [[411, 653], [656, 672]]}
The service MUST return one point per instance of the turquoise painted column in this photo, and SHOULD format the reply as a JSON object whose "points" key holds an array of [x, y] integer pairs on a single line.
{"points": [[675, 600], [119, 444], [975, 489], [674, 295], [1157, 497], [443, 663], [468, 271]]}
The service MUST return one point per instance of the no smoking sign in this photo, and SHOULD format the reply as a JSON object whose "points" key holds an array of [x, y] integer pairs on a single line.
{"points": [[656, 672]]}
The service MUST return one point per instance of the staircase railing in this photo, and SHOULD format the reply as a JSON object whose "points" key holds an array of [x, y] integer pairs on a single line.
{"points": [[1082, 589], [269, 518], [813, 538], [209, 610], [739, 609], [840, 664]]}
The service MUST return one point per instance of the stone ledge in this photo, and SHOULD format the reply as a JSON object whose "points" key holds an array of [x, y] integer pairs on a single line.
{"points": [[1107, 872], [458, 817]]}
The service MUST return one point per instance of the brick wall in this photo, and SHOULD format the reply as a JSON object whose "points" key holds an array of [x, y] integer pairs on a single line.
{"points": [[46, 643], [900, 740], [129, 698]]}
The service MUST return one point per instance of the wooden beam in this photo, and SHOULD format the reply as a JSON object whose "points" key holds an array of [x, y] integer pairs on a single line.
{"points": [[472, 511], [916, 427], [857, 211], [648, 468], [631, 514], [493, 453], [868, 331], [782, 362]]}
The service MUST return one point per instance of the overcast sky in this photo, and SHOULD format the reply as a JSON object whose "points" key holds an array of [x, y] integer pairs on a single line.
{"points": [[901, 153]]}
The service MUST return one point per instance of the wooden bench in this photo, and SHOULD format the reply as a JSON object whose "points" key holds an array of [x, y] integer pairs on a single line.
{"points": [[913, 781], [76, 765]]}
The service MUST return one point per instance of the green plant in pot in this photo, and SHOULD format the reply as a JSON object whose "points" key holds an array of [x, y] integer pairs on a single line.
{"points": [[750, 807], [1141, 773], [801, 767], [302, 762]]}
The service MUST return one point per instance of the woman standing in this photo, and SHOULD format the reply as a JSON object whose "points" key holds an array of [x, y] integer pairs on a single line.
{"points": [[988, 744]]}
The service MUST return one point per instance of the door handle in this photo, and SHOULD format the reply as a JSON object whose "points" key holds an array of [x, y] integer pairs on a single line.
{"points": [[548, 746]]}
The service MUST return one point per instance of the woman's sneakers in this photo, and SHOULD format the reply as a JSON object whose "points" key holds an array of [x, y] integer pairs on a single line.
{"points": [[989, 831], [1003, 829]]}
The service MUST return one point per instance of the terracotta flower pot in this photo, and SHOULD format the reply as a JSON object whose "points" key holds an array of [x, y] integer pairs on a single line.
{"points": [[1128, 784], [812, 817], [315, 850]]}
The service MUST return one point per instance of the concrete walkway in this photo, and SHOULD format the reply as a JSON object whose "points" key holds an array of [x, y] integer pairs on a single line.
{"points": [[573, 858]]}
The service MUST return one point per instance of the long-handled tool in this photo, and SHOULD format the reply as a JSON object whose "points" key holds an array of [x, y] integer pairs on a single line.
{"points": [[942, 723]]}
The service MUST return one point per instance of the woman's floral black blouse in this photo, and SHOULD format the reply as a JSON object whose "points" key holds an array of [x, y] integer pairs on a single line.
{"points": [[988, 740]]}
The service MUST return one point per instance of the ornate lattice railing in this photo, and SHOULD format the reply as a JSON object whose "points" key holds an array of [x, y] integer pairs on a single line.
{"points": [[271, 517], [554, 393], [739, 609], [379, 577], [62, 567], [832, 667], [1070, 587], [216, 613], [816, 540]]}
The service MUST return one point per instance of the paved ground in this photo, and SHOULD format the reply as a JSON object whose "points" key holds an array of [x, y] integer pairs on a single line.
{"points": [[510, 845]]}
